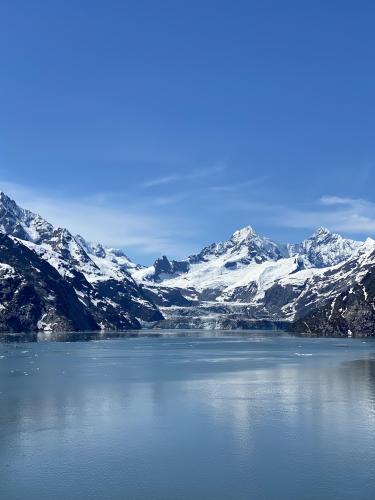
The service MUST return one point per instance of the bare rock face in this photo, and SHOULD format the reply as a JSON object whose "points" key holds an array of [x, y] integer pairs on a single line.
{"points": [[97, 277], [349, 314], [53, 280], [33, 295]]}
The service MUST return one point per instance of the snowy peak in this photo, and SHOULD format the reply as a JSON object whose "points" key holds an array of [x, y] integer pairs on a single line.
{"points": [[112, 256], [84, 255], [243, 234], [249, 268], [244, 245], [22, 223], [244, 248], [321, 232], [324, 249], [99, 276], [33, 229], [91, 248], [10, 206]]}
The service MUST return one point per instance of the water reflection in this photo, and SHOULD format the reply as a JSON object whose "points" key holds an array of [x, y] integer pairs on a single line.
{"points": [[82, 336], [188, 418]]}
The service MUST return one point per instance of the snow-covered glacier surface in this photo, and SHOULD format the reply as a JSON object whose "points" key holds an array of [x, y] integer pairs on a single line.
{"points": [[251, 281]]}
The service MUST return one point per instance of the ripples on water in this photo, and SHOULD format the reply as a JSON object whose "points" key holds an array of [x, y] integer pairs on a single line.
{"points": [[192, 416]]}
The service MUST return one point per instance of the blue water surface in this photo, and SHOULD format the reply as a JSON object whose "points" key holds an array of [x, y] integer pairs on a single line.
{"points": [[193, 415]]}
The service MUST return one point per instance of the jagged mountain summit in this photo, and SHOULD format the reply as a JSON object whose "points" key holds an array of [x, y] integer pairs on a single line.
{"points": [[342, 302], [98, 277], [246, 258], [250, 281], [324, 249], [53, 280], [22, 223]]}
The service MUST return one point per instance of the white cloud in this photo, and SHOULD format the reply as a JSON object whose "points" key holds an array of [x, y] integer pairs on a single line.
{"points": [[132, 226], [349, 215], [189, 175], [237, 186], [342, 214], [335, 200], [167, 179], [146, 226]]}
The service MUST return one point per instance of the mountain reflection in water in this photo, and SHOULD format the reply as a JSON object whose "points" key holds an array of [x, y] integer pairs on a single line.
{"points": [[255, 415]]}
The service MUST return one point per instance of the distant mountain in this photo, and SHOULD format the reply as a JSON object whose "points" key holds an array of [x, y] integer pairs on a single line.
{"points": [[52, 280], [324, 249], [99, 278], [341, 302], [250, 281]]}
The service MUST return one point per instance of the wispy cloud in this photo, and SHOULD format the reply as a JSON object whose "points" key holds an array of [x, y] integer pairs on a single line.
{"points": [[339, 200], [133, 226], [189, 175], [160, 181], [171, 199], [342, 214], [236, 186], [175, 222], [351, 215]]}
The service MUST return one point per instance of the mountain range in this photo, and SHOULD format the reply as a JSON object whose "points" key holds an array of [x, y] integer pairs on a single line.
{"points": [[52, 280]]}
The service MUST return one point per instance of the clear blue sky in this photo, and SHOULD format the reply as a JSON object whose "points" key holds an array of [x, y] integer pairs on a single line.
{"points": [[163, 126]]}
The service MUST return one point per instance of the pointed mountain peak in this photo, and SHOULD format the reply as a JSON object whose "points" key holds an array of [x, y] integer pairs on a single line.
{"points": [[9, 204], [4, 197], [243, 234], [321, 232], [324, 249], [90, 247], [19, 222]]}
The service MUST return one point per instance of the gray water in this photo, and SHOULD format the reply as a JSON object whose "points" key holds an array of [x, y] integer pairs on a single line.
{"points": [[251, 416]]}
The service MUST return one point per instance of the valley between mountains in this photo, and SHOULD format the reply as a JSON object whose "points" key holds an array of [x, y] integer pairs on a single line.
{"points": [[52, 280]]}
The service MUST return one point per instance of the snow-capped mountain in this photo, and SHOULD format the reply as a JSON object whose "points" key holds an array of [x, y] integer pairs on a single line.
{"points": [[249, 280], [53, 280], [244, 248], [324, 249], [22, 223], [34, 296], [342, 301], [246, 265], [99, 276]]}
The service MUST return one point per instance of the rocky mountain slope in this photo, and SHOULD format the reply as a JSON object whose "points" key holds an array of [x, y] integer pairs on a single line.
{"points": [[33, 294], [52, 280], [249, 281], [347, 304], [98, 278]]}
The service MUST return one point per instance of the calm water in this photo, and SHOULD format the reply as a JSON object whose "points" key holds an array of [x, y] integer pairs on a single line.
{"points": [[255, 416]]}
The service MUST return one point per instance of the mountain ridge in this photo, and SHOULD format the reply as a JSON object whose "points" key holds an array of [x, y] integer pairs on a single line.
{"points": [[252, 278], [101, 282], [242, 282]]}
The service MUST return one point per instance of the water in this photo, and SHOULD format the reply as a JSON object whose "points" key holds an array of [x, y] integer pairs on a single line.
{"points": [[252, 416]]}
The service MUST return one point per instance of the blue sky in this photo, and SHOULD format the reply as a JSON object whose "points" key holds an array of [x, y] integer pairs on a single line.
{"points": [[163, 126]]}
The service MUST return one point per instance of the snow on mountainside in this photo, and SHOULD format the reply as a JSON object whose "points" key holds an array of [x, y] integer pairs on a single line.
{"points": [[249, 278], [244, 248], [247, 258], [34, 296], [22, 223], [99, 276], [324, 249], [345, 299], [51, 279], [109, 260]]}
